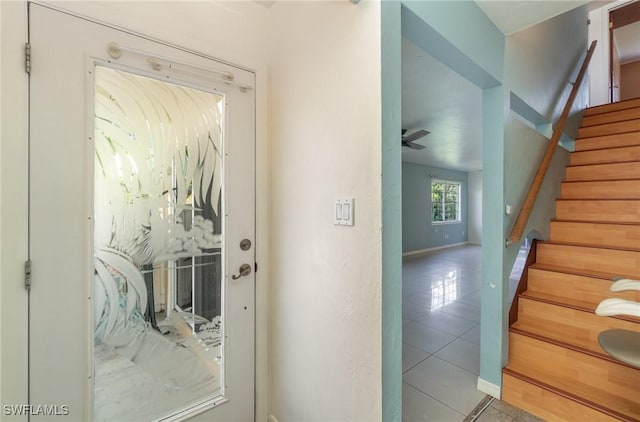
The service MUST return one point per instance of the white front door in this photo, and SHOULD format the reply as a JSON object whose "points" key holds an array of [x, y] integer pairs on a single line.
{"points": [[142, 228]]}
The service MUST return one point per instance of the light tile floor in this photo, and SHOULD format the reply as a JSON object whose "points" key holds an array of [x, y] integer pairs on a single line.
{"points": [[441, 338]]}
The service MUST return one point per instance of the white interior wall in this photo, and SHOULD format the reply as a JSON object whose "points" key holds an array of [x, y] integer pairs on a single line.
{"points": [[474, 188], [234, 31], [599, 67], [325, 137], [616, 74]]}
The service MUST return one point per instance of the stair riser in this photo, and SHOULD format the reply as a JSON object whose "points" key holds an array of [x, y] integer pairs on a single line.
{"points": [[602, 235], [620, 189], [609, 141], [617, 171], [584, 259], [607, 211], [618, 116], [614, 155], [608, 108], [574, 287], [609, 128], [549, 364], [546, 404], [567, 324]]}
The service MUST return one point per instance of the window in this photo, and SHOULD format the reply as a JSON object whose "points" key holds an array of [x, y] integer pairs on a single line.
{"points": [[445, 201]]}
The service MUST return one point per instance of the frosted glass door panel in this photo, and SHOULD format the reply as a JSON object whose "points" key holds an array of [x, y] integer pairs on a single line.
{"points": [[158, 231]]}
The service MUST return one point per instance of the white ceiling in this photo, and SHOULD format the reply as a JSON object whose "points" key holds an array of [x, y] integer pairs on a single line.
{"points": [[439, 100], [514, 15], [627, 41]]}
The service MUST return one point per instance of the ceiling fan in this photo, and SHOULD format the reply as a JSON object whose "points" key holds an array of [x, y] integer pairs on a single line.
{"points": [[408, 140]]}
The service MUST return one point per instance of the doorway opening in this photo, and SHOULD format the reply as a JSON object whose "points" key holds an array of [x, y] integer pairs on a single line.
{"points": [[442, 237], [624, 52]]}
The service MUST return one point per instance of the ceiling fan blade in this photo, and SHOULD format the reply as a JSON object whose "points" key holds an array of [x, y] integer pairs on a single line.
{"points": [[417, 135], [412, 145], [415, 146]]}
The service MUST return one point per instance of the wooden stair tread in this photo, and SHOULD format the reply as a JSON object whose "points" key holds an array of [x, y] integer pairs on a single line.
{"points": [[528, 380], [593, 274], [574, 304], [606, 155], [586, 258], [577, 305], [611, 116], [582, 245], [579, 245], [609, 107], [618, 189], [613, 149], [570, 287], [599, 201], [634, 179], [572, 209], [604, 142], [609, 223], [603, 164], [587, 233], [531, 330], [622, 170], [625, 126]]}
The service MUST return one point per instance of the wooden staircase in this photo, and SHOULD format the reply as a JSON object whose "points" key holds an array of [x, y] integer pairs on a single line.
{"points": [[556, 368]]}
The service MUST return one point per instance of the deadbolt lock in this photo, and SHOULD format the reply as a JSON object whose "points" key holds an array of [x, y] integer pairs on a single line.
{"points": [[245, 244]]}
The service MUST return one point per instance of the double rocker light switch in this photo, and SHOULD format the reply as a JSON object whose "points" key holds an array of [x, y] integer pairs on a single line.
{"points": [[344, 212]]}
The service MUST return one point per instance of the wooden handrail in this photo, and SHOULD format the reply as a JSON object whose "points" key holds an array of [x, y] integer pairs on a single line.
{"points": [[529, 201]]}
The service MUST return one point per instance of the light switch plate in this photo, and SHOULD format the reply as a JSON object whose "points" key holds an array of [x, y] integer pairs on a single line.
{"points": [[343, 212]]}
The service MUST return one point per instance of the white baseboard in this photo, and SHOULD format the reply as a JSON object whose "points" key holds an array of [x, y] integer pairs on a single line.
{"points": [[437, 248], [272, 418], [489, 388]]}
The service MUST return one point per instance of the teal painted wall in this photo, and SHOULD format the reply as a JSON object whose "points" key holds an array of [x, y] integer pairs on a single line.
{"points": [[418, 232], [539, 64], [391, 214], [524, 148], [543, 60], [460, 35], [495, 287]]}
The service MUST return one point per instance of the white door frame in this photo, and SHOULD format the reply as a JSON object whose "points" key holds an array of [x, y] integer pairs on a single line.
{"points": [[13, 215]]}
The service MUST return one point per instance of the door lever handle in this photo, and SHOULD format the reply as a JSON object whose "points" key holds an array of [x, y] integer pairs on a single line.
{"points": [[245, 269]]}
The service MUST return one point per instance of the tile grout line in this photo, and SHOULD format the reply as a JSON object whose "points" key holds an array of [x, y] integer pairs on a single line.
{"points": [[433, 398]]}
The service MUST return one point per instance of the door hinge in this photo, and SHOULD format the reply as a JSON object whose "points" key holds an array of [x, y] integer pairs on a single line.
{"points": [[610, 24], [27, 274], [255, 269], [27, 58]]}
